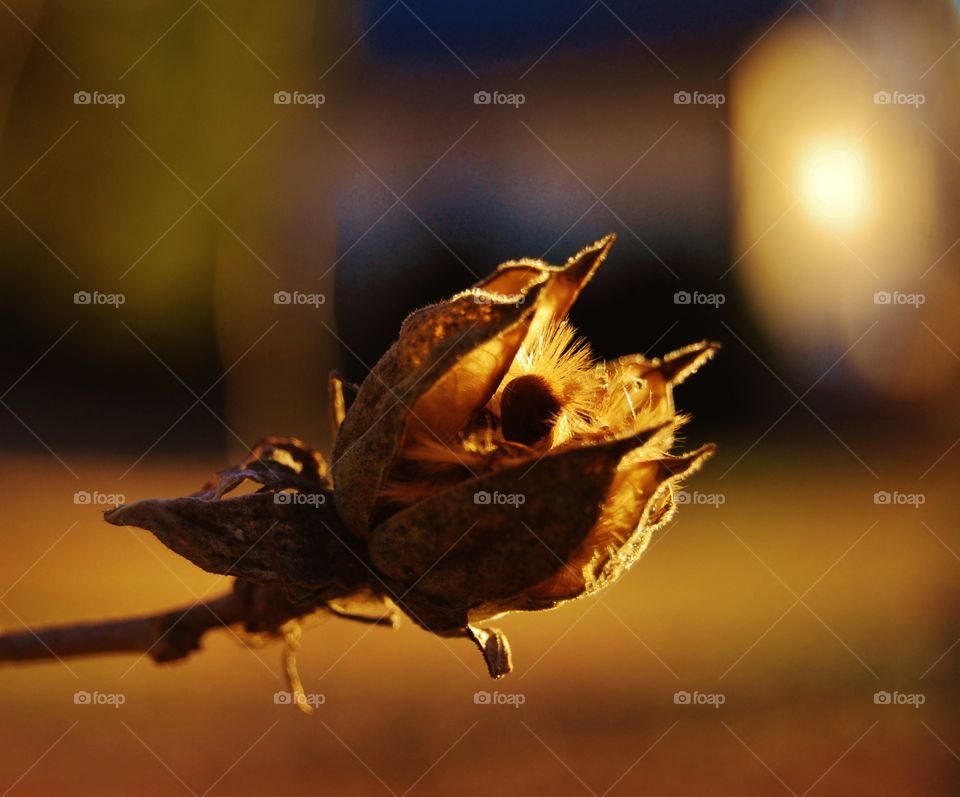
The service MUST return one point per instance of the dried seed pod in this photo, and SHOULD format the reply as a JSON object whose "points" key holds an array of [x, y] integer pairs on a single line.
{"points": [[487, 464]]}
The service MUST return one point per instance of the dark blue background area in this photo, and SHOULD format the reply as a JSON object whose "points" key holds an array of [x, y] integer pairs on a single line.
{"points": [[476, 205], [483, 32]]}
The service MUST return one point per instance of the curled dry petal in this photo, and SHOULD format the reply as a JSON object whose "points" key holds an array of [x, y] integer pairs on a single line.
{"points": [[638, 502], [465, 346], [574, 525], [652, 381], [563, 283], [462, 548]]}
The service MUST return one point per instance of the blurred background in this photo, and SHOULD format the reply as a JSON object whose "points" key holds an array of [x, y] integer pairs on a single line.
{"points": [[206, 206]]}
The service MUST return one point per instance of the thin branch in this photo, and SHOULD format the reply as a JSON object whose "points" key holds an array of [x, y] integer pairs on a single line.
{"points": [[167, 636]]}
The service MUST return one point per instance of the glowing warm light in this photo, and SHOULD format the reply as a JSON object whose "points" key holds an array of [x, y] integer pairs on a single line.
{"points": [[838, 200], [834, 184]]}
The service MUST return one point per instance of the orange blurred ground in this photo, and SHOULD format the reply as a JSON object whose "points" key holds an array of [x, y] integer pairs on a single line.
{"points": [[598, 677]]}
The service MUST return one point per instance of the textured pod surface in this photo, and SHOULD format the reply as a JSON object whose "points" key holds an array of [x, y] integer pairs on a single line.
{"points": [[255, 538], [490, 539], [433, 341], [288, 533], [638, 502]]}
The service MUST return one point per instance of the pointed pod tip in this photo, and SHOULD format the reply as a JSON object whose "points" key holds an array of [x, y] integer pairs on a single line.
{"points": [[682, 363], [706, 451], [708, 348], [593, 255], [578, 270], [710, 345], [126, 514], [686, 464], [114, 516]]}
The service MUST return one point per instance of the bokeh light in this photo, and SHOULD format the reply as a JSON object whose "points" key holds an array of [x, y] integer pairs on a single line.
{"points": [[835, 183], [839, 185]]}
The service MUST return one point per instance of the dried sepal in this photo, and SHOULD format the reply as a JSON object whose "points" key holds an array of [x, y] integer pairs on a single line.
{"points": [[650, 382], [495, 649], [563, 283], [463, 548], [252, 537], [638, 502], [287, 532], [437, 344], [277, 463], [675, 367]]}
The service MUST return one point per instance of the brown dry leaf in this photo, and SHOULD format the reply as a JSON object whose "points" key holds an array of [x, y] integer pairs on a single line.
{"points": [[287, 532]]}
